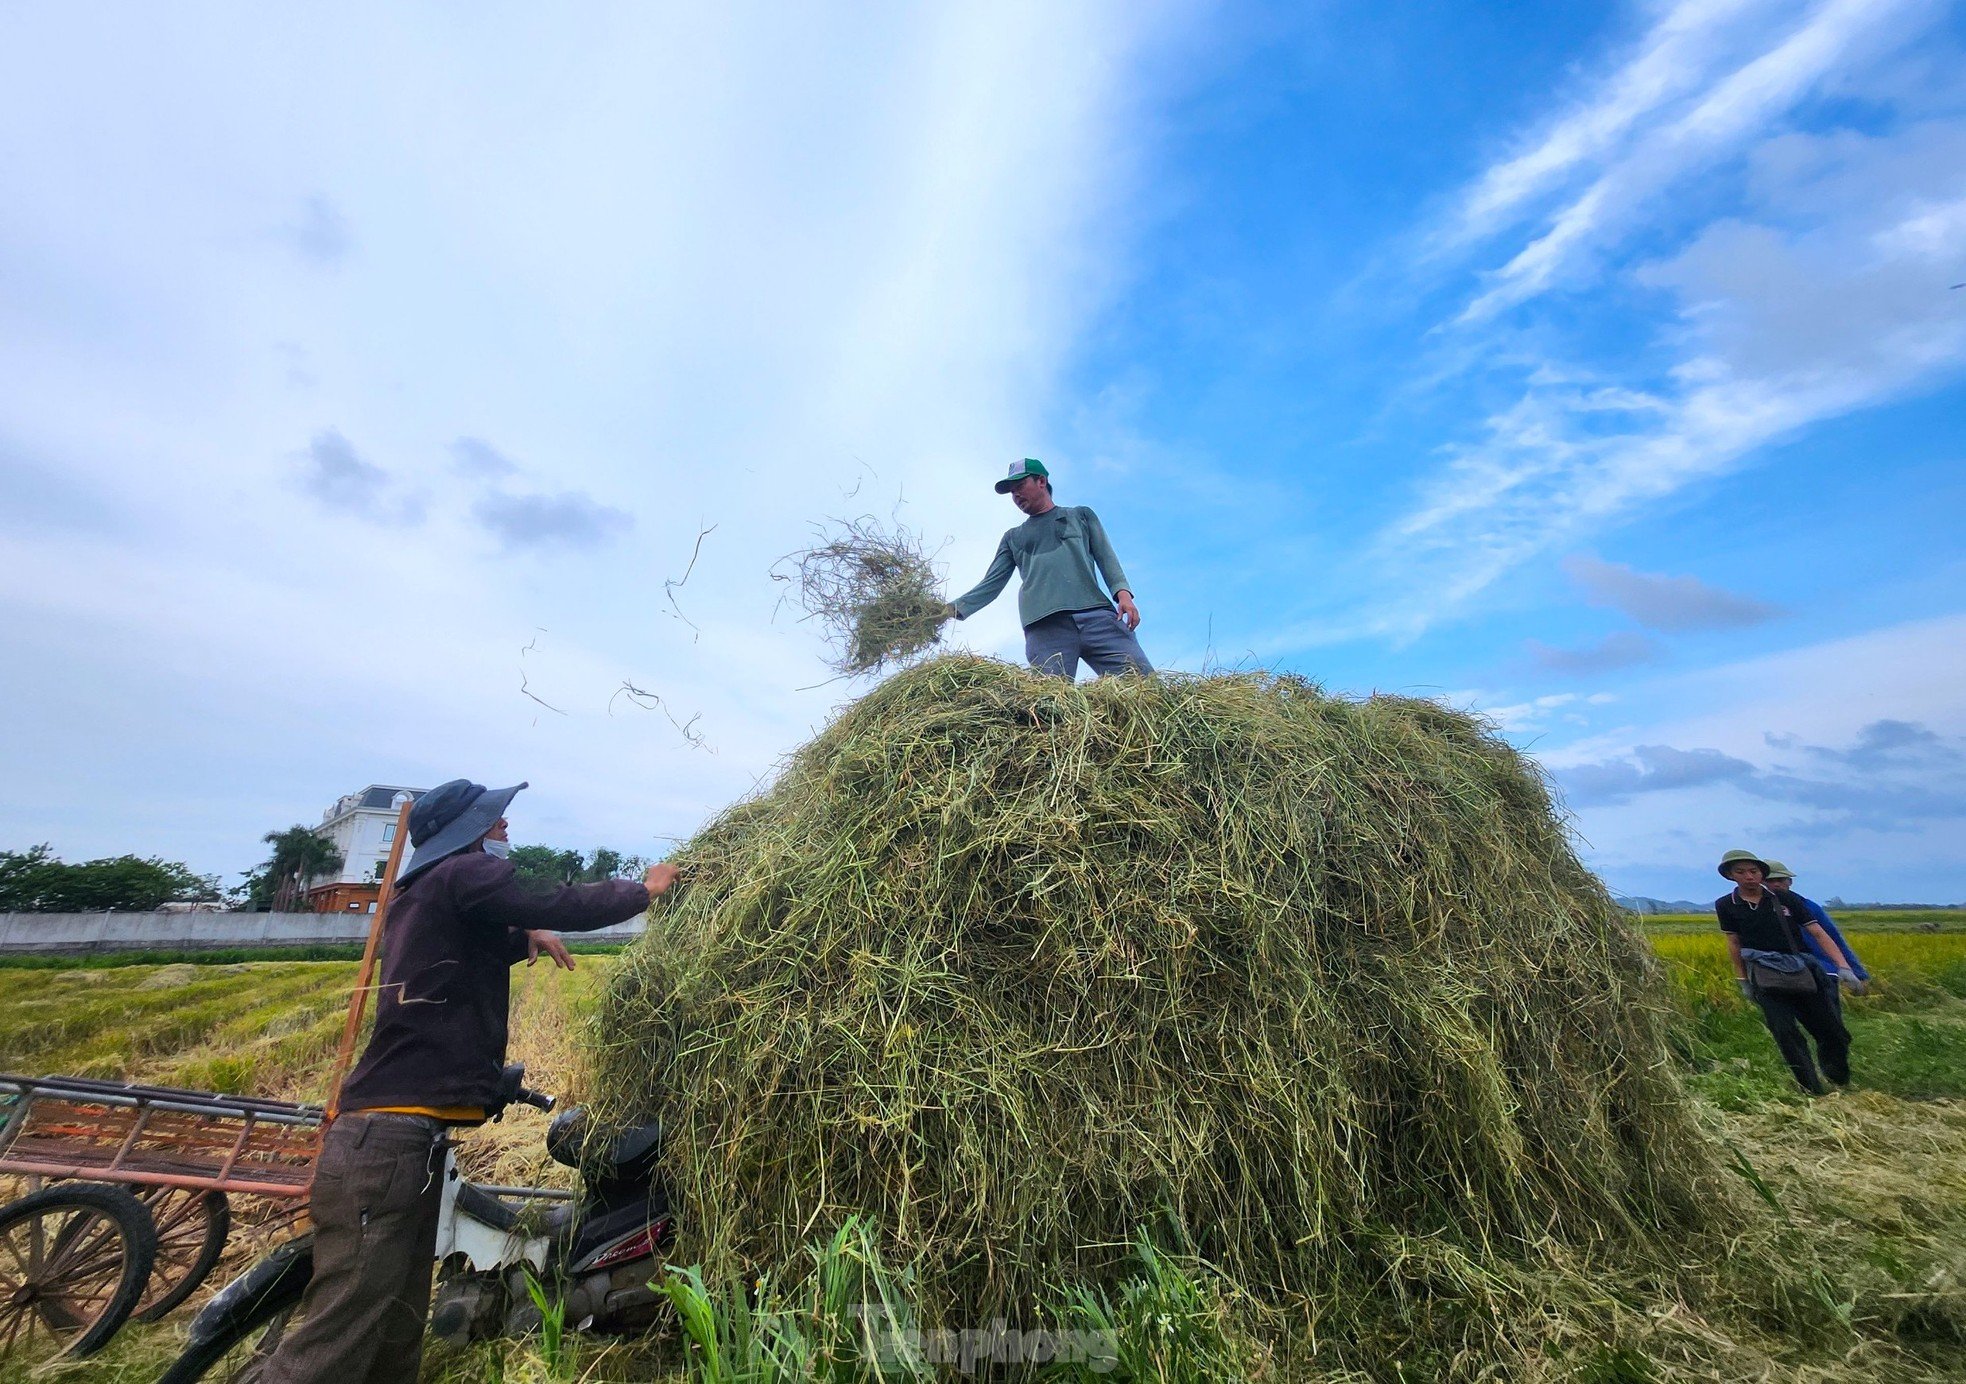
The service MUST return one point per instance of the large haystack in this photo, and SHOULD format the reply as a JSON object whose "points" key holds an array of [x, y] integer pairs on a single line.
{"points": [[1014, 967]]}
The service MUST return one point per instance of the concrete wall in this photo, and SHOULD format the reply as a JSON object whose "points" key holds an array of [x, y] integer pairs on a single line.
{"points": [[82, 933]]}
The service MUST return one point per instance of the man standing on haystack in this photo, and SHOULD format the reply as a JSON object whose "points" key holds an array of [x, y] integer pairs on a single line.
{"points": [[1776, 969], [1066, 615], [460, 918]]}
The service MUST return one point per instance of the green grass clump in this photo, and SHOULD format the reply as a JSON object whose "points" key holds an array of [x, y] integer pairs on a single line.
{"points": [[1009, 967]]}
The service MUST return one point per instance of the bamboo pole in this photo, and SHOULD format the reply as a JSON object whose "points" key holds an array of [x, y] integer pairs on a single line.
{"points": [[358, 1002]]}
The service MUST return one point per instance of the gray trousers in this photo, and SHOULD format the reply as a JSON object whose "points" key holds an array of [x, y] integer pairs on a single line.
{"points": [[377, 1191], [1056, 643]]}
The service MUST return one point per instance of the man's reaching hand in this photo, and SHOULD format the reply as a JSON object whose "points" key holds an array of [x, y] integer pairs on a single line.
{"points": [[543, 943]]}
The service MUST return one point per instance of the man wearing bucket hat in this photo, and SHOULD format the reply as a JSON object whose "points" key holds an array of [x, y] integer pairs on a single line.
{"points": [[1776, 970], [1060, 552], [459, 919]]}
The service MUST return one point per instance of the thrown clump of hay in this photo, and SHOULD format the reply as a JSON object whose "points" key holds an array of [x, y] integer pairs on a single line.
{"points": [[1011, 967], [876, 594]]}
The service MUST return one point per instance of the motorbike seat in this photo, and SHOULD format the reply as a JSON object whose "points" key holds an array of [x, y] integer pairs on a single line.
{"points": [[629, 1156], [636, 1147]]}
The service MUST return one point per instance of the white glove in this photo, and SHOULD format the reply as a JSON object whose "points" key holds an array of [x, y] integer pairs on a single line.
{"points": [[1849, 980]]}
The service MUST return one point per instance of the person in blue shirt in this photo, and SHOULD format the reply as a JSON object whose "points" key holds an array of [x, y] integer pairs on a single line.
{"points": [[1782, 880]]}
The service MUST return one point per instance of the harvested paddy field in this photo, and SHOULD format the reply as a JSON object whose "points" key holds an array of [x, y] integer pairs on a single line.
{"points": [[1877, 1175]]}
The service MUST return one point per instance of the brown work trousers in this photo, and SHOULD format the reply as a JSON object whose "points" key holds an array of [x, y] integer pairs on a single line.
{"points": [[374, 1205]]}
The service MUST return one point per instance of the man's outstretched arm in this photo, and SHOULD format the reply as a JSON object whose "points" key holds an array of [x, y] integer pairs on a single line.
{"points": [[992, 585], [543, 942]]}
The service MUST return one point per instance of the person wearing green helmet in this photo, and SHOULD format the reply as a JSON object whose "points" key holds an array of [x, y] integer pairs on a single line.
{"points": [[1061, 552], [1776, 970], [1782, 880]]}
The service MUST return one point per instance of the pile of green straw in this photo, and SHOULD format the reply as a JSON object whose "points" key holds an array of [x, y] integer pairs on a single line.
{"points": [[1010, 967]]}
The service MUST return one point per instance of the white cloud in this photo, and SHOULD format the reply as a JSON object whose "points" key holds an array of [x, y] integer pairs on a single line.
{"points": [[1821, 293], [1517, 718], [684, 264], [1736, 109], [1678, 53], [1841, 758]]}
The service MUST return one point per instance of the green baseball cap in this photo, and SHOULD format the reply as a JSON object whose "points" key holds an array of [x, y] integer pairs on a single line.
{"points": [[1733, 858], [1029, 466]]}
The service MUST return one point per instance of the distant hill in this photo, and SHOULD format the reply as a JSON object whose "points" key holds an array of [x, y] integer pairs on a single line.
{"points": [[1641, 904]]}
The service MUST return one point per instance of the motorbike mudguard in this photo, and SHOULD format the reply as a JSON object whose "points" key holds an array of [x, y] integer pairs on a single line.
{"points": [[272, 1283]]}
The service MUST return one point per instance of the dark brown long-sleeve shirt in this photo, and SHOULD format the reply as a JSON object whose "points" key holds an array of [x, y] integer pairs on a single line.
{"points": [[444, 987]]}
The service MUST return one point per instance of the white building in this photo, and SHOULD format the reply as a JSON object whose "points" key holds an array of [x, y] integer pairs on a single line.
{"points": [[362, 826]]}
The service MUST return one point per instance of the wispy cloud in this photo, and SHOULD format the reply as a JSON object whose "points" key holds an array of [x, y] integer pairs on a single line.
{"points": [[1822, 291], [1897, 768], [1661, 602], [1522, 718], [1673, 58], [1736, 109], [340, 478], [1622, 649], [569, 519], [318, 233]]}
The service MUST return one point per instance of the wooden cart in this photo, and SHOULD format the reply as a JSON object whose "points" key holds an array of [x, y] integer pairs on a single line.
{"points": [[131, 1209]]}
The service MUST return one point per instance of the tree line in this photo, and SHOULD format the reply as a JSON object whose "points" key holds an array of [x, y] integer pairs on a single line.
{"points": [[37, 881]]}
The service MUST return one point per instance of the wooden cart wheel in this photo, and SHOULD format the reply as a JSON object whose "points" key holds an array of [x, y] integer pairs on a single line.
{"points": [[191, 1229], [73, 1260]]}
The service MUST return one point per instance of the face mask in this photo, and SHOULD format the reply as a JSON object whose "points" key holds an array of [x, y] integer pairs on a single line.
{"points": [[501, 849]]}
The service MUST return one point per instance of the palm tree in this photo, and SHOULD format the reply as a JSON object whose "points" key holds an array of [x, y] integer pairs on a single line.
{"points": [[299, 855]]}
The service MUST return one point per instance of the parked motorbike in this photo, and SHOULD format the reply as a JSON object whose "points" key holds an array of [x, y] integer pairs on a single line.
{"points": [[591, 1256]]}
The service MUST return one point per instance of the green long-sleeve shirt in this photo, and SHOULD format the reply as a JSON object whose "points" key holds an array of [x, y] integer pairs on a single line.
{"points": [[1055, 553]]}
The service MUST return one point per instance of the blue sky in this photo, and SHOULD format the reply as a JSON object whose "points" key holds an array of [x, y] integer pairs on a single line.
{"points": [[1594, 367]]}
